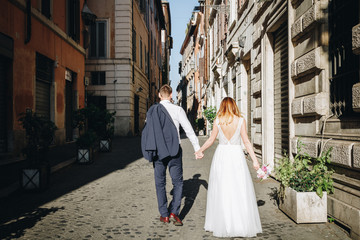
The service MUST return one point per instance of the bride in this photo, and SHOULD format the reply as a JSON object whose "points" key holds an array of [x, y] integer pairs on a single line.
{"points": [[231, 209]]}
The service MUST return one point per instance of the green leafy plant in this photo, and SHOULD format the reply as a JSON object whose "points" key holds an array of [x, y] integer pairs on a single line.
{"points": [[40, 133], [210, 115], [92, 118], [200, 123], [331, 220], [305, 174], [86, 140]]}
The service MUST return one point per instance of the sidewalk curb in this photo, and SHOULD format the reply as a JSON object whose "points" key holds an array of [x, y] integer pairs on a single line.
{"points": [[15, 186]]}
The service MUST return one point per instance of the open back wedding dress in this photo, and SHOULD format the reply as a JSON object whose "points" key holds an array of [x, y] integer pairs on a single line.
{"points": [[231, 209]]}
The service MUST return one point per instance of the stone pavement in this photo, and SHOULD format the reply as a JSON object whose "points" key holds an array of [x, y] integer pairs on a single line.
{"points": [[114, 198]]}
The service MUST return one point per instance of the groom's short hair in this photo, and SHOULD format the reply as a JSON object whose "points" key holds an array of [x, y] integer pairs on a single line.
{"points": [[165, 90]]}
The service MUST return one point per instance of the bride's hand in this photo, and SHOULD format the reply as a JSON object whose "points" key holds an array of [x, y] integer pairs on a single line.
{"points": [[256, 165], [199, 154]]}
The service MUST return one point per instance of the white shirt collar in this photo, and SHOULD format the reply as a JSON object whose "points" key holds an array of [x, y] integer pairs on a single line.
{"points": [[165, 101]]}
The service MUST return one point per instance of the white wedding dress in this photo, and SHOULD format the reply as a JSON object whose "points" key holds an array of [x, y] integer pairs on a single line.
{"points": [[231, 209]]}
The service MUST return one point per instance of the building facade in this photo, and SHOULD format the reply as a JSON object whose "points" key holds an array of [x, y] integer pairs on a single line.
{"points": [[124, 61], [192, 68], [293, 68], [42, 67]]}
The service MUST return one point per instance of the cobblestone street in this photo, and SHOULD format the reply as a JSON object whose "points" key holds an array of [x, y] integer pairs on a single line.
{"points": [[114, 198]]}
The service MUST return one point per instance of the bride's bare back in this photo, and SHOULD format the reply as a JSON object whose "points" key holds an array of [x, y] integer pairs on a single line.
{"points": [[229, 129]]}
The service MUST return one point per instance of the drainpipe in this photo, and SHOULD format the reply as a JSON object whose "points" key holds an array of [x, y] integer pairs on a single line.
{"points": [[132, 24]]}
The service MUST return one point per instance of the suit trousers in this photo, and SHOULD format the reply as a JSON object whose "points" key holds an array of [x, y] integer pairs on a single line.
{"points": [[176, 174]]}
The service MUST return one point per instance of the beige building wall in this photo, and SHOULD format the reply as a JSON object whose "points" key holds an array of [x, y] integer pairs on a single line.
{"points": [[130, 89], [290, 38]]}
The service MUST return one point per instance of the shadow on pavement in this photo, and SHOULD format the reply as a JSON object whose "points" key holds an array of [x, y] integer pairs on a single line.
{"points": [[274, 196], [190, 191], [16, 227], [20, 210]]}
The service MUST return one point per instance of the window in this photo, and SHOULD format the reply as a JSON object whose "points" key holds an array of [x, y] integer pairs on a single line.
{"points": [[98, 101], [98, 78], [73, 19], [46, 8], [344, 64], [44, 79], [147, 57], [98, 36], [134, 45], [141, 55]]}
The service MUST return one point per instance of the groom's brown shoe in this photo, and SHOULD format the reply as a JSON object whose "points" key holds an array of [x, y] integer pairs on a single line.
{"points": [[175, 219], [164, 219]]}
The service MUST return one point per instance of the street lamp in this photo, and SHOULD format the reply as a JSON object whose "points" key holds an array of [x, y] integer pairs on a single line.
{"points": [[87, 15]]}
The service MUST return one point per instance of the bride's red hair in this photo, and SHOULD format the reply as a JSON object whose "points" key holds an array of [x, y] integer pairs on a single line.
{"points": [[228, 109]]}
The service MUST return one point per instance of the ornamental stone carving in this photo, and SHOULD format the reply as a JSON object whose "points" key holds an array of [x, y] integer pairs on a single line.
{"points": [[356, 39], [356, 97], [297, 107], [317, 104], [341, 152], [307, 63], [310, 146], [306, 21], [356, 153]]}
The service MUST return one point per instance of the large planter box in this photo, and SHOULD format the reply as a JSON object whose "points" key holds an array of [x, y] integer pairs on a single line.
{"points": [[105, 145], [35, 178], [85, 156], [304, 207]]}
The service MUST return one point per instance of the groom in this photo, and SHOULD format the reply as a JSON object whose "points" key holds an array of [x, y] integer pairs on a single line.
{"points": [[160, 143]]}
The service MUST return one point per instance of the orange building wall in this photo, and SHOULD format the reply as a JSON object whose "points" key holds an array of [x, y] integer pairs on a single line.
{"points": [[48, 43]]}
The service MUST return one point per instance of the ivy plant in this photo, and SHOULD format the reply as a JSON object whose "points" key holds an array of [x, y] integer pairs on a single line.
{"points": [[210, 115], [304, 173]]}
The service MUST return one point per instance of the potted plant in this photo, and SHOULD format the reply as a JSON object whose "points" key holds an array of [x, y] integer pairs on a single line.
{"points": [[85, 146], [106, 132], [40, 133], [210, 115], [85, 120], [200, 125], [304, 185]]}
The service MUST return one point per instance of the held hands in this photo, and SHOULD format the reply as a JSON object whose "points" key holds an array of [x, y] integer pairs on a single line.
{"points": [[199, 154]]}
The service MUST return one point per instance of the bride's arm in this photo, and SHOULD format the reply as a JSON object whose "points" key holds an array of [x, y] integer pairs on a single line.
{"points": [[248, 145], [209, 142]]}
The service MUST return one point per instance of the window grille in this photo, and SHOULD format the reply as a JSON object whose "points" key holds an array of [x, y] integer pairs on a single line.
{"points": [[344, 64]]}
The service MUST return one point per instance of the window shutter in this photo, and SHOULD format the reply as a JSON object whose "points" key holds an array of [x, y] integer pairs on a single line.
{"points": [[281, 94], [101, 39], [134, 45], [45, 8], [44, 75], [93, 40]]}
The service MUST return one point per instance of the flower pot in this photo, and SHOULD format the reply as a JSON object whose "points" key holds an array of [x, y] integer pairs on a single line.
{"points": [[304, 207], [105, 145], [85, 155], [36, 178]]}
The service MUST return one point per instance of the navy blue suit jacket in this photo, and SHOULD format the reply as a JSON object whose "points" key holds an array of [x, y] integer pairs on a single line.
{"points": [[159, 137]]}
